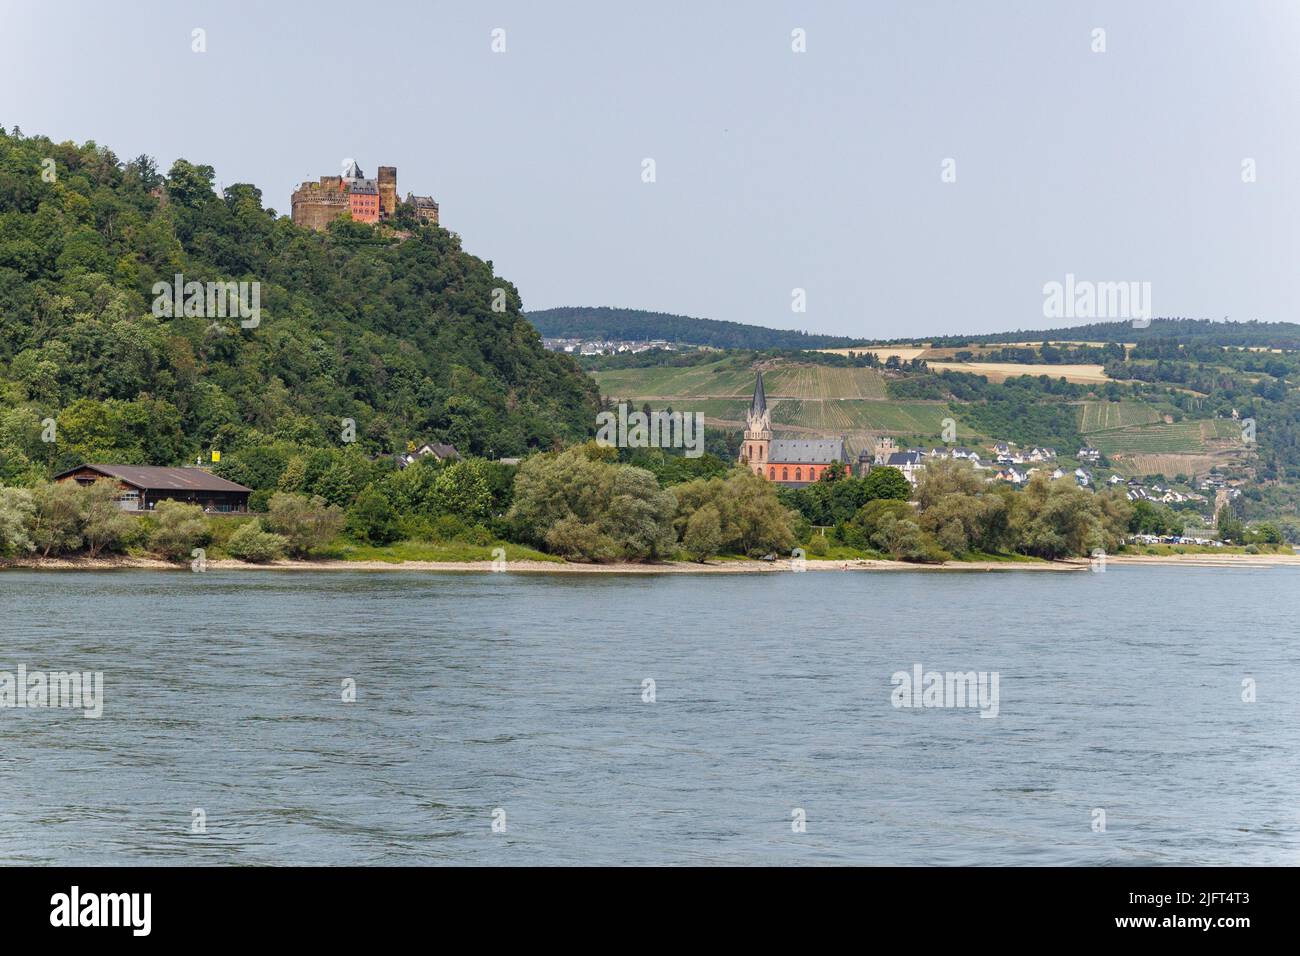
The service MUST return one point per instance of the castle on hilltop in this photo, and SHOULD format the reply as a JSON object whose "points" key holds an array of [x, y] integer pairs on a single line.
{"points": [[316, 205]]}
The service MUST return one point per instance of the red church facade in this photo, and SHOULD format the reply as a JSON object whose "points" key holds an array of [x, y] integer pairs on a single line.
{"points": [[785, 461]]}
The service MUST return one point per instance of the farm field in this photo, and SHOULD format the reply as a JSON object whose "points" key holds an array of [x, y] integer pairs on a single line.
{"points": [[905, 353], [1001, 371], [1100, 416]]}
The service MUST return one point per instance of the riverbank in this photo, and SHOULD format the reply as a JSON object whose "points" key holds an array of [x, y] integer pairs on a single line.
{"points": [[126, 562]]}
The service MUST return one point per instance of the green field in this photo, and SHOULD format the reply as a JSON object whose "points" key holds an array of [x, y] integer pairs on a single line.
{"points": [[1100, 416]]}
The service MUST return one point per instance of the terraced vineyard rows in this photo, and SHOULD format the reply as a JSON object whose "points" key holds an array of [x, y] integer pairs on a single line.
{"points": [[726, 378], [1188, 437], [1099, 416]]}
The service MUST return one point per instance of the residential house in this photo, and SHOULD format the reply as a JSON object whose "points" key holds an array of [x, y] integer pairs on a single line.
{"points": [[908, 462]]}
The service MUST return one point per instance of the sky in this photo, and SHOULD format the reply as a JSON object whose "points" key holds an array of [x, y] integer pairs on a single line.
{"points": [[774, 170]]}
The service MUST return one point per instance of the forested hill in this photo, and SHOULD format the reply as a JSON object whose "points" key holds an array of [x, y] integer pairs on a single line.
{"points": [[606, 323], [399, 336], [1279, 335]]}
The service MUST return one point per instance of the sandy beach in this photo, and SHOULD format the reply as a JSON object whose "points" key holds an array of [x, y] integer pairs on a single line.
{"points": [[785, 565]]}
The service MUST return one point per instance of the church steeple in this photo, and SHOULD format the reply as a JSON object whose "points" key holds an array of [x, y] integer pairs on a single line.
{"points": [[758, 430], [759, 405]]}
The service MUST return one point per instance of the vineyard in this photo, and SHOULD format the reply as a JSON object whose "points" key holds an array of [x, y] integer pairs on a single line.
{"points": [[727, 378], [853, 403], [1188, 437], [1100, 416]]}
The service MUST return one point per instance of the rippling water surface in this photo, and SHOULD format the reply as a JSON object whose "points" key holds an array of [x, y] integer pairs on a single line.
{"points": [[1119, 691]]}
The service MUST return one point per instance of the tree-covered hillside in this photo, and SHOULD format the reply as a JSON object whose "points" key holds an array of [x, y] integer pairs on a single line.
{"points": [[606, 323], [1196, 332], [398, 335]]}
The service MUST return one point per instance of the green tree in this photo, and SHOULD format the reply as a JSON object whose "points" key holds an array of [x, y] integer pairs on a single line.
{"points": [[886, 482], [372, 519], [579, 504], [703, 537], [57, 521], [306, 523], [1230, 527], [251, 542], [105, 526], [462, 489], [16, 512], [179, 530]]}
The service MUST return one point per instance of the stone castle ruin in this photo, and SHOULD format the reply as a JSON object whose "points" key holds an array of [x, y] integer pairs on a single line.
{"points": [[316, 205]]}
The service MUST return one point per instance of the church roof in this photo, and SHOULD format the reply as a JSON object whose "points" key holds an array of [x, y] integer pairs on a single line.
{"points": [[798, 451], [759, 405]]}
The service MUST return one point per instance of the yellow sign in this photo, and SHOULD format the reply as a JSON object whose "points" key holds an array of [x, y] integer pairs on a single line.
{"points": [[216, 456]]}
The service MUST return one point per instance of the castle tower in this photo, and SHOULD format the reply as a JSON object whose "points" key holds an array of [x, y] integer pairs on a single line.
{"points": [[758, 431], [884, 447], [387, 191]]}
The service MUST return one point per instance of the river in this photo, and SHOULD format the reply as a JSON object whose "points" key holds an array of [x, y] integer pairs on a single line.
{"points": [[676, 719]]}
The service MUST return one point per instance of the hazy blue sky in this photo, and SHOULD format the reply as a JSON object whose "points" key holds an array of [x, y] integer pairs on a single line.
{"points": [[775, 169]]}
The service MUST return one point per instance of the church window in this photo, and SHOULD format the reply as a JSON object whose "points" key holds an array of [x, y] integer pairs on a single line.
{"points": [[798, 474], [785, 474]]}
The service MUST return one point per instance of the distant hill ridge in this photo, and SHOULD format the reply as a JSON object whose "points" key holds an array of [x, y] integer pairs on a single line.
{"points": [[602, 322]]}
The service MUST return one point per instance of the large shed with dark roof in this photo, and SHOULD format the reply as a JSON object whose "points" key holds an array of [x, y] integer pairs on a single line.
{"points": [[143, 486]]}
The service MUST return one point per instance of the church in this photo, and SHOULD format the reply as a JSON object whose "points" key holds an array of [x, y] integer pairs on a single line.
{"points": [[793, 462]]}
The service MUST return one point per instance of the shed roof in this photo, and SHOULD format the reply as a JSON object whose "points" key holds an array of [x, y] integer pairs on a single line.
{"points": [[153, 478]]}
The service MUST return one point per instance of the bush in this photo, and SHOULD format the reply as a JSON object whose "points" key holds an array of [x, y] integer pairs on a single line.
{"points": [[180, 529], [16, 511], [579, 504], [703, 536], [251, 543], [753, 520], [860, 529], [105, 526], [56, 523], [818, 546], [372, 520], [306, 523]]}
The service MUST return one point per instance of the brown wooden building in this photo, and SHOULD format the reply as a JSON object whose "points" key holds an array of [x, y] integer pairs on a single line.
{"points": [[143, 486]]}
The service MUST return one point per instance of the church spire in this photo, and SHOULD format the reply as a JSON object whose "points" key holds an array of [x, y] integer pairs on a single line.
{"points": [[758, 406]]}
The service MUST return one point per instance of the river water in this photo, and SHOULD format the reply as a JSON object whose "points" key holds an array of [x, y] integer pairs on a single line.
{"points": [[675, 719]]}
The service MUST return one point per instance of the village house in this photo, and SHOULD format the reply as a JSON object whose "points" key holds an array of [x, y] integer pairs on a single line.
{"points": [[141, 487], [908, 462], [439, 451]]}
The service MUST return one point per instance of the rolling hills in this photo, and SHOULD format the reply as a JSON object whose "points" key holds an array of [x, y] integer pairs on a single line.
{"points": [[1139, 436]]}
